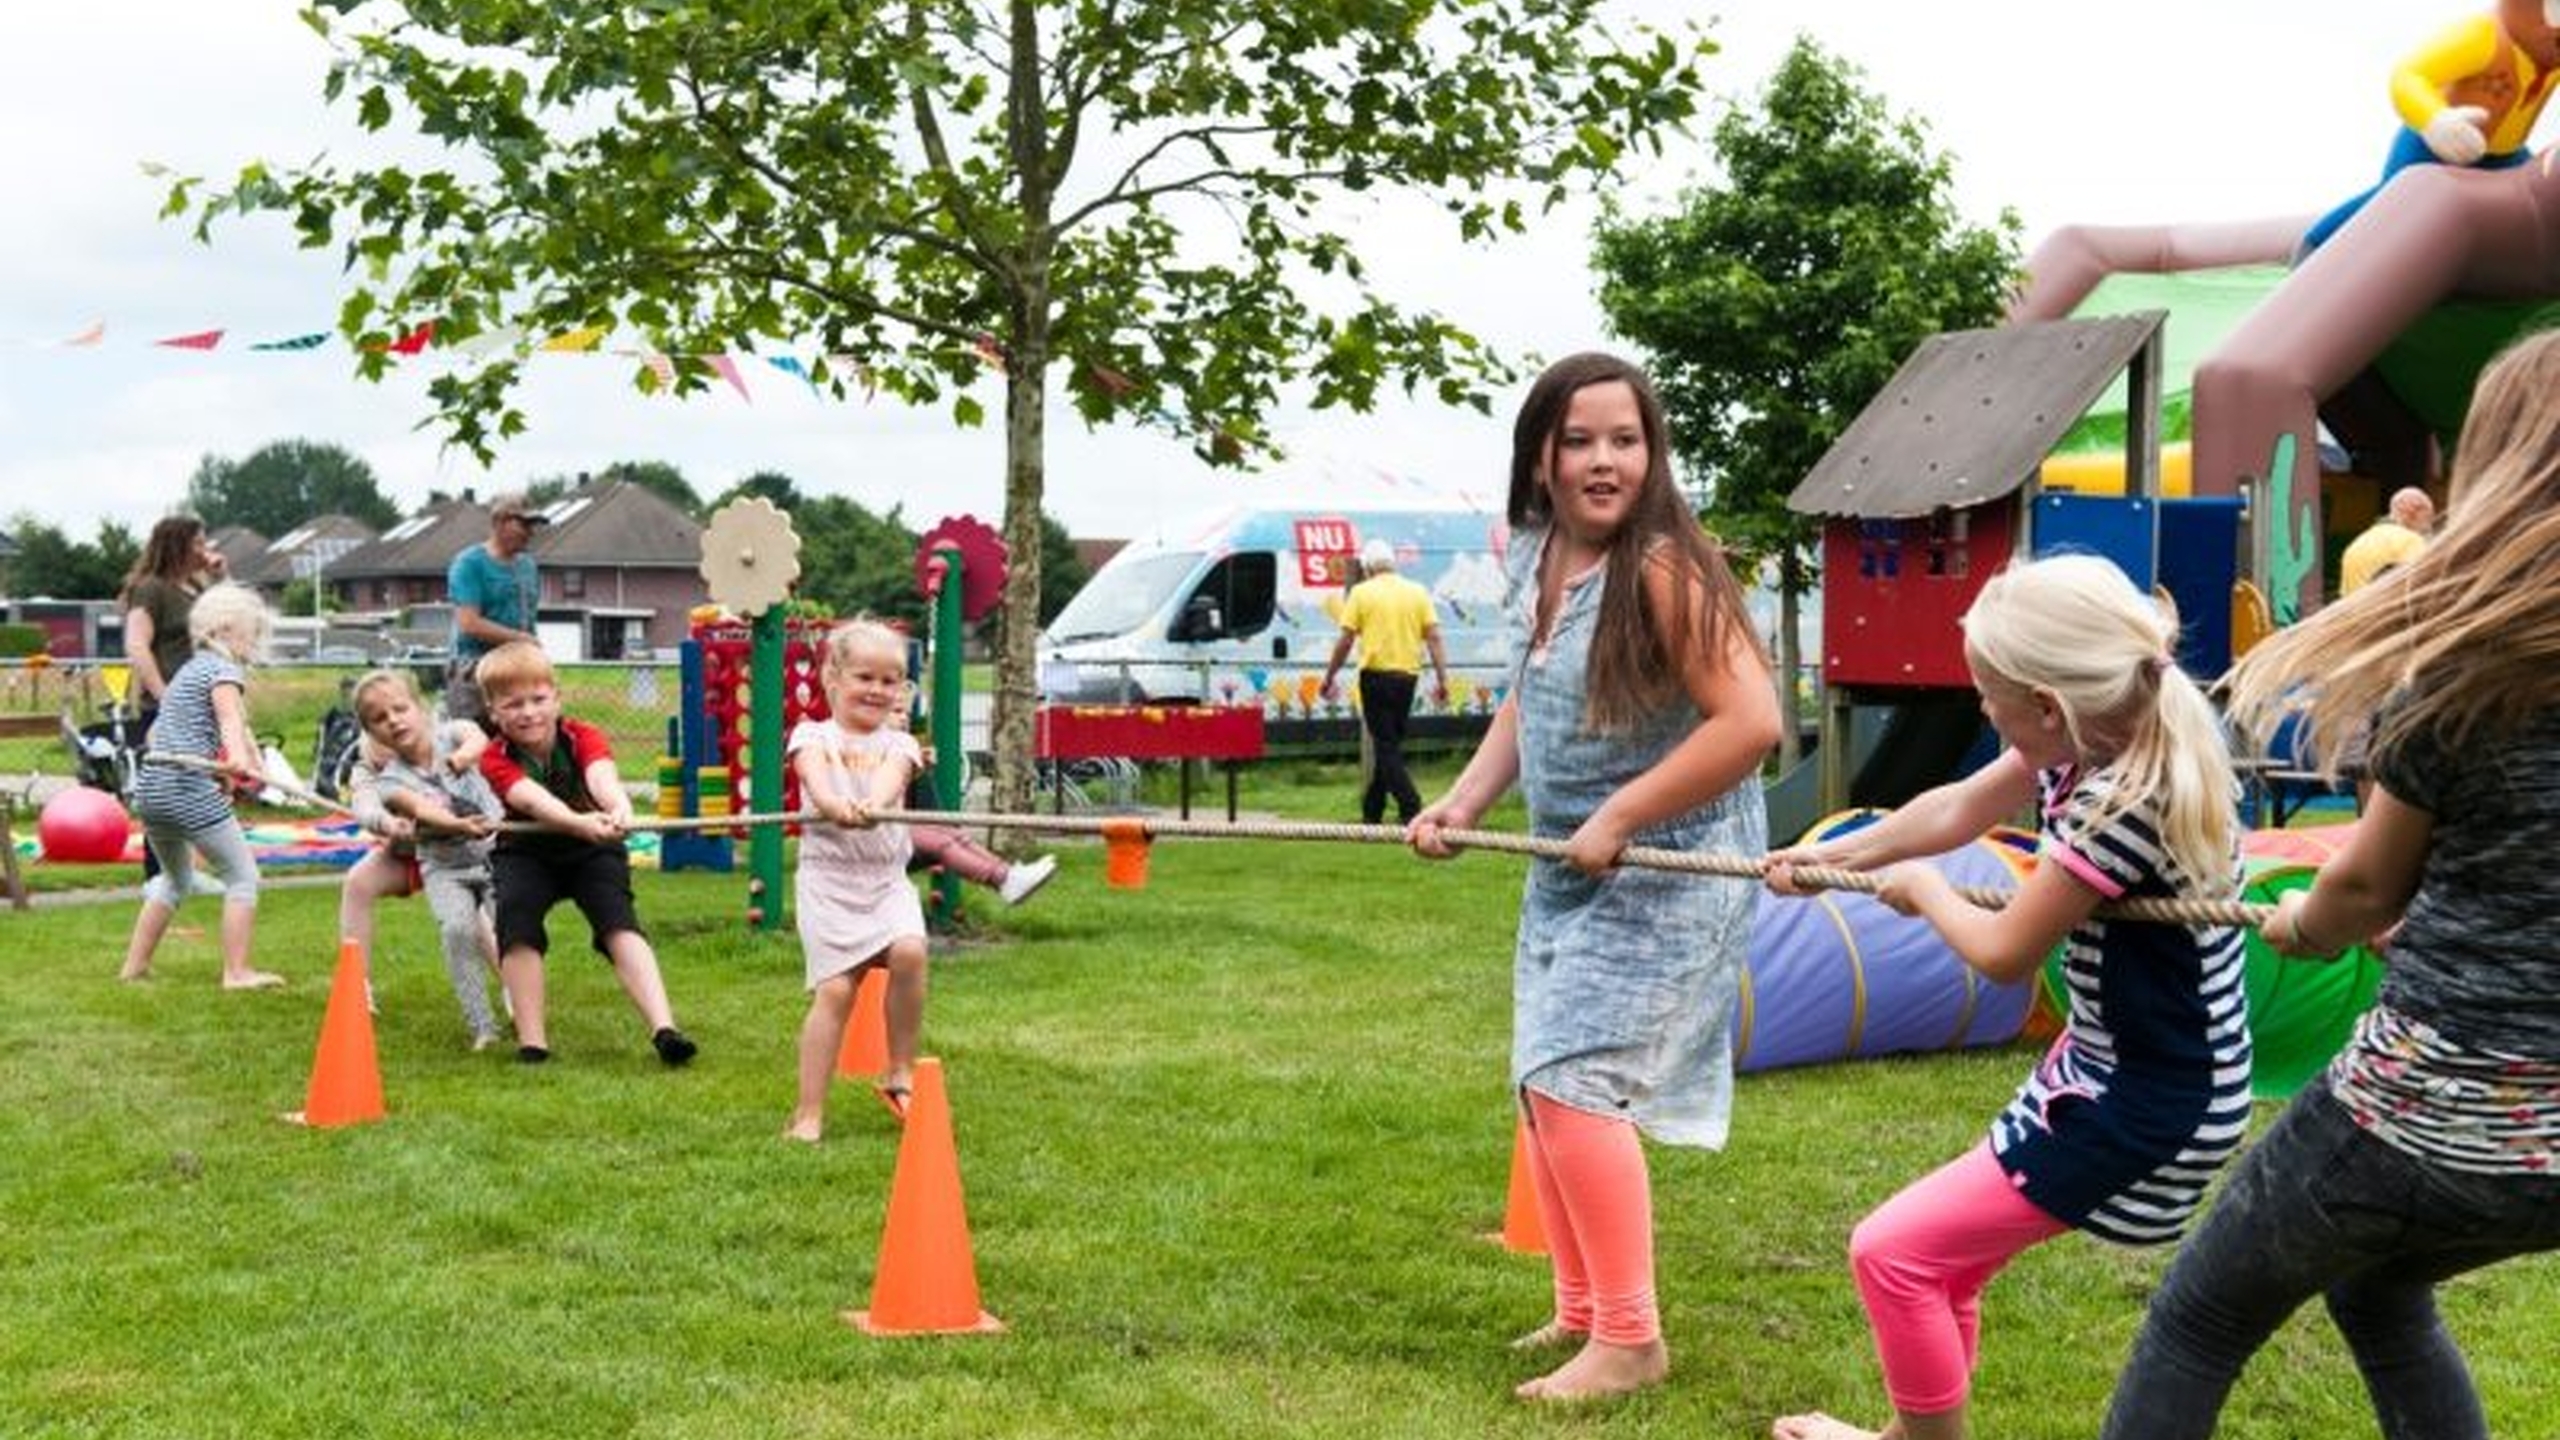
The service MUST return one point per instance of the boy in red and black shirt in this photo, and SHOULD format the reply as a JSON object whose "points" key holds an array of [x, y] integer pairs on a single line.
{"points": [[560, 772]]}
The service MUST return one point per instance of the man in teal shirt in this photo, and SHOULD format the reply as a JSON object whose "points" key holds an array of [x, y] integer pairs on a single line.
{"points": [[495, 589]]}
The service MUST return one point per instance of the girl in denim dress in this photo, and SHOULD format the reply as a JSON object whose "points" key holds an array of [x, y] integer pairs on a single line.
{"points": [[1639, 712]]}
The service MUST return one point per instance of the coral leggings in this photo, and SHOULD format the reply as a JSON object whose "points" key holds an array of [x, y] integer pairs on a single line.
{"points": [[1597, 1206], [1921, 1260]]}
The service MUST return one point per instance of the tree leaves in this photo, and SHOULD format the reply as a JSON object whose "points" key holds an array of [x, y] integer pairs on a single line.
{"points": [[1141, 187]]}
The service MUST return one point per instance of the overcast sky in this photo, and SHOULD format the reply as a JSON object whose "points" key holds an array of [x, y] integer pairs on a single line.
{"points": [[2063, 111]]}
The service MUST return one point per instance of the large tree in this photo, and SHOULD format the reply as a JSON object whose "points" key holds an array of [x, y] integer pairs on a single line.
{"points": [[1133, 201], [283, 484], [1773, 305]]}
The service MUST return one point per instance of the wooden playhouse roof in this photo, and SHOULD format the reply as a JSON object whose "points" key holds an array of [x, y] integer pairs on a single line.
{"points": [[1972, 413]]}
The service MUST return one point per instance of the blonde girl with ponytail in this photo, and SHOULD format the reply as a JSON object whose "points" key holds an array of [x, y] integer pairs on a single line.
{"points": [[2146, 1091]]}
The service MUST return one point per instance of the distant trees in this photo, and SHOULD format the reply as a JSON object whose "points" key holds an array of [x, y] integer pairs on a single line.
{"points": [[52, 564], [284, 484]]}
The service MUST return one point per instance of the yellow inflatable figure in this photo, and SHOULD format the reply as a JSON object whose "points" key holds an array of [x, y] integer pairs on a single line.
{"points": [[2470, 96]]}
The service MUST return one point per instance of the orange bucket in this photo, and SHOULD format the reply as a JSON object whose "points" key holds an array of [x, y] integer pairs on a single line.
{"points": [[1124, 854]]}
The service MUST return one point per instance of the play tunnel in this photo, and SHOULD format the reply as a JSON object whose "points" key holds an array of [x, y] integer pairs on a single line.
{"points": [[2300, 1011], [1837, 975]]}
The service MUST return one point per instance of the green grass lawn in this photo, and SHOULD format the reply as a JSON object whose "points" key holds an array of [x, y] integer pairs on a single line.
{"points": [[1229, 1143]]}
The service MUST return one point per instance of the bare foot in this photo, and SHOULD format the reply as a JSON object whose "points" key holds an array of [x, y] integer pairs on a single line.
{"points": [[134, 974], [253, 980], [1814, 1425], [804, 1128], [1599, 1370], [1550, 1335]]}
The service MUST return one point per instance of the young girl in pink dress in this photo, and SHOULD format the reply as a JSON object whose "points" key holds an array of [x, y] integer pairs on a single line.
{"points": [[856, 906]]}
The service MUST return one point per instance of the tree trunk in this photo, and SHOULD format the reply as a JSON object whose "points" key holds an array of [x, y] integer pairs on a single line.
{"points": [[1018, 623], [1791, 583], [1025, 423]]}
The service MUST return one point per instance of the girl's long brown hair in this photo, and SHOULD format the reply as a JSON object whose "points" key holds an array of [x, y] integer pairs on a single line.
{"points": [[169, 553], [2469, 631], [1634, 664]]}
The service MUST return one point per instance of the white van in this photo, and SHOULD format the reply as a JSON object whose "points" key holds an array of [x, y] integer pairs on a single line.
{"points": [[1238, 607]]}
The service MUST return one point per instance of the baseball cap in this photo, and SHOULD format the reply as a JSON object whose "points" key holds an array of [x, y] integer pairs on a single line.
{"points": [[1378, 554], [515, 504]]}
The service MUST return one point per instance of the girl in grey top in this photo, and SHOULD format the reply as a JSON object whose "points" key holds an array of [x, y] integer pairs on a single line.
{"points": [[419, 785], [2430, 1147]]}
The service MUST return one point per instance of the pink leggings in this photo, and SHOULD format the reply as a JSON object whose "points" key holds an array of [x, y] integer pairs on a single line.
{"points": [[1597, 1206], [1921, 1260]]}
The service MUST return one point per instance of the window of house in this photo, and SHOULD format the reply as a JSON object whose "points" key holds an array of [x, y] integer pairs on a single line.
{"points": [[573, 584]]}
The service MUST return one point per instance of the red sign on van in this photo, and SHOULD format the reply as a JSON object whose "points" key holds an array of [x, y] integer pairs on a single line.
{"points": [[1324, 551]]}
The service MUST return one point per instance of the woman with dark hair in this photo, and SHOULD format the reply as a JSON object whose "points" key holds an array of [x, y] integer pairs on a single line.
{"points": [[177, 562]]}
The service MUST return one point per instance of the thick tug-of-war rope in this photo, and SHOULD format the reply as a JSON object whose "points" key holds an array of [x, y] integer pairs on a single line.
{"points": [[1137, 830]]}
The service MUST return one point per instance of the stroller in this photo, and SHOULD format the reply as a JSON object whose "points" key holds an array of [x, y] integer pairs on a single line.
{"points": [[333, 759], [105, 753]]}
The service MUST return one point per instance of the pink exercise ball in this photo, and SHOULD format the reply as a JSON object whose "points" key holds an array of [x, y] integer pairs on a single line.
{"points": [[84, 826]]}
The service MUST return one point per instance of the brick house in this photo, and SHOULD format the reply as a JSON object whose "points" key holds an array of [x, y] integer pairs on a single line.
{"points": [[621, 570]]}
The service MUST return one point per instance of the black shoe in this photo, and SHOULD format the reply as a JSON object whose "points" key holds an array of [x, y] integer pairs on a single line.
{"points": [[532, 1055], [674, 1046]]}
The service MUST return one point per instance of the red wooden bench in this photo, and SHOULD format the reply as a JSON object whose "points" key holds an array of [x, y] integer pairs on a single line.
{"points": [[1229, 734]]}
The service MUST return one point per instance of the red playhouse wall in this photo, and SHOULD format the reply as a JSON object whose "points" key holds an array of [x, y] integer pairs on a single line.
{"points": [[1893, 590], [728, 695]]}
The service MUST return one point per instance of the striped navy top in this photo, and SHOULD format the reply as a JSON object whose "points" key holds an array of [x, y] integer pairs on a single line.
{"points": [[2146, 1093], [171, 795]]}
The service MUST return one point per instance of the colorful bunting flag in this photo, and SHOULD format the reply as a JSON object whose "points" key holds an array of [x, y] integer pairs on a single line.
{"points": [[490, 342], [410, 344], [575, 340], [312, 341], [728, 369], [90, 336], [201, 340]]}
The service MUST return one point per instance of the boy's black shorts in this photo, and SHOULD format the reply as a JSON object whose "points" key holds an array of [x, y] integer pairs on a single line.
{"points": [[530, 880]]}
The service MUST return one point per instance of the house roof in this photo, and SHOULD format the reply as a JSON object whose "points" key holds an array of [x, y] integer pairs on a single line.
{"points": [[327, 536], [614, 523], [239, 546], [1970, 415], [618, 523], [423, 544]]}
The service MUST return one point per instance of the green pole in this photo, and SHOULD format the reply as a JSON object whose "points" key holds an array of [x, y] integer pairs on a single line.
{"points": [[764, 842], [947, 757]]}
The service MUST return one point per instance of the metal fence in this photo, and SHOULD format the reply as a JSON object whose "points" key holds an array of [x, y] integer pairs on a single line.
{"points": [[289, 701]]}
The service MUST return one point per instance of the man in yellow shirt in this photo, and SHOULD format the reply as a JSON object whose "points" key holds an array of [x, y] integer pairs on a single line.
{"points": [[1394, 622], [2392, 541]]}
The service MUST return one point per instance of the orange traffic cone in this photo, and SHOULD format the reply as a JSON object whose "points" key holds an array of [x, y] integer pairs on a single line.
{"points": [[866, 1037], [346, 1076], [927, 1282], [1522, 1232]]}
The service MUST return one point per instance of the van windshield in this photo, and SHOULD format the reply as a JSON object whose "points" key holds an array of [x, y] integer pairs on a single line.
{"points": [[1123, 597]]}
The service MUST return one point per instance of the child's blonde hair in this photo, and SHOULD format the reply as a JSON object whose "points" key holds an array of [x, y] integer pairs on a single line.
{"points": [[2073, 628], [373, 680], [516, 665], [2467, 634], [231, 618], [860, 634]]}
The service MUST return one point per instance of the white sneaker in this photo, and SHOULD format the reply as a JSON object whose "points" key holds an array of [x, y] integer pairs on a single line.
{"points": [[1020, 880]]}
